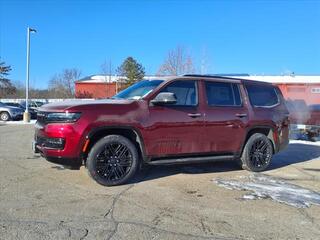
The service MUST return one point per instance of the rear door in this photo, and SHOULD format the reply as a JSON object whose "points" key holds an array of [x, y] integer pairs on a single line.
{"points": [[226, 117], [176, 129], [269, 109]]}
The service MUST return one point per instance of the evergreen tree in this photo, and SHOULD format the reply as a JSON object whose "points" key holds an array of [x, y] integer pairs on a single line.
{"points": [[6, 87], [132, 70]]}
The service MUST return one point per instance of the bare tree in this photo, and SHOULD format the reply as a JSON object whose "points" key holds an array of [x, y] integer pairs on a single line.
{"points": [[62, 85], [204, 61], [106, 68], [177, 62]]}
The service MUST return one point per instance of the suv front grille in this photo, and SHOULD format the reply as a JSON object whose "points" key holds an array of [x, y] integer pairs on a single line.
{"points": [[54, 143]]}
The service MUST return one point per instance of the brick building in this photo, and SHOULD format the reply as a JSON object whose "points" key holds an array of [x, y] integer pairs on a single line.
{"points": [[100, 86], [306, 88]]}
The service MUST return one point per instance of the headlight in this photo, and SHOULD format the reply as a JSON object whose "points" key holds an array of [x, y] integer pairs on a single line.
{"points": [[16, 111], [62, 117]]}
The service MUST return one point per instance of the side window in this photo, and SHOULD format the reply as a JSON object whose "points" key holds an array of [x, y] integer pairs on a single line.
{"points": [[222, 94], [262, 95], [185, 91], [31, 104]]}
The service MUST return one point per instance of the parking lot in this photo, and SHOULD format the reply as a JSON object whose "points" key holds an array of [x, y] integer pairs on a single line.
{"points": [[40, 200]]}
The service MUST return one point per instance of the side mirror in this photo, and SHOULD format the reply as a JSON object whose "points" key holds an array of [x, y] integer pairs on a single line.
{"points": [[164, 98]]}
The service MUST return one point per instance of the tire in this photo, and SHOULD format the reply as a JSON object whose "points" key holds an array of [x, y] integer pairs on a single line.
{"points": [[113, 160], [4, 116], [257, 153]]}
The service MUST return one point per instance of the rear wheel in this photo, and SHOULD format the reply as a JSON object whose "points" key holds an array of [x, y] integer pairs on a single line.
{"points": [[4, 116], [113, 160], [257, 153]]}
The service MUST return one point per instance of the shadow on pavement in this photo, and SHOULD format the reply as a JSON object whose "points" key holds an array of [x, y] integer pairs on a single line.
{"points": [[160, 171], [295, 153]]}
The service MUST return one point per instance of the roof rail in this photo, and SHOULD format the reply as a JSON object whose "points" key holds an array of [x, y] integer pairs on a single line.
{"points": [[210, 76], [218, 75]]}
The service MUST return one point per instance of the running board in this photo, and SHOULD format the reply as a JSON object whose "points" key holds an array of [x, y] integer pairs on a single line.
{"points": [[169, 161]]}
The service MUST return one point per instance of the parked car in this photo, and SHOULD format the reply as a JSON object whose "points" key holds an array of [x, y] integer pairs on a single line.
{"points": [[32, 104], [33, 113], [8, 112], [172, 120], [314, 115], [305, 120]]}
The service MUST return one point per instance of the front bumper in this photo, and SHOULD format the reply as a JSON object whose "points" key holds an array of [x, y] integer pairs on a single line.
{"points": [[58, 143], [74, 163], [16, 115]]}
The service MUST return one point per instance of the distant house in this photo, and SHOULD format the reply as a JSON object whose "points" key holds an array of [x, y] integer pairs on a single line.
{"points": [[306, 88]]}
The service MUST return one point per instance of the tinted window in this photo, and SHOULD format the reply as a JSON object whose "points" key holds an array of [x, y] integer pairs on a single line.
{"points": [[262, 95], [185, 91], [223, 94]]}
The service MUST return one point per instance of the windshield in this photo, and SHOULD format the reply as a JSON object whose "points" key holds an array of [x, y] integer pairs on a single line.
{"points": [[138, 90], [39, 104]]}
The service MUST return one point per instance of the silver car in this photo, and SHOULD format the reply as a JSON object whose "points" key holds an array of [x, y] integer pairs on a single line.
{"points": [[8, 112]]}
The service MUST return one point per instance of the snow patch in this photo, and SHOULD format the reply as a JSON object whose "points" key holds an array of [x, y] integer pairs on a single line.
{"points": [[264, 186], [317, 143], [18, 122]]}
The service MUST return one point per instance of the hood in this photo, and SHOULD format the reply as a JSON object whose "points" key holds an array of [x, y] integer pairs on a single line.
{"points": [[11, 108], [73, 104]]}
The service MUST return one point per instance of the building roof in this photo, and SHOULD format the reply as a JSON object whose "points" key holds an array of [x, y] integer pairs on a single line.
{"points": [[299, 79], [108, 78]]}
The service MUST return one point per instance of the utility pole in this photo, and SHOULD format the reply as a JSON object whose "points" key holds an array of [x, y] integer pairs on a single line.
{"points": [[26, 115]]}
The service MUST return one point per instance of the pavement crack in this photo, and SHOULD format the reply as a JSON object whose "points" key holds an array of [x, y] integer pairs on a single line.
{"points": [[110, 211], [85, 234], [304, 213], [216, 237], [107, 213]]}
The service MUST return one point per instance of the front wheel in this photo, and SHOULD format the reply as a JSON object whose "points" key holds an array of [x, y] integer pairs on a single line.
{"points": [[113, 160], [4, 116], [257, 153]]}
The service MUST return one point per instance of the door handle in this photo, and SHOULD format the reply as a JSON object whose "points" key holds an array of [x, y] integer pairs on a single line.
{"points": [[241, 115], [194, 115]]}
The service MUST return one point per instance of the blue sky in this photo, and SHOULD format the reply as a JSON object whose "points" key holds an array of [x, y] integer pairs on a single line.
{"points": [[255, 37]]}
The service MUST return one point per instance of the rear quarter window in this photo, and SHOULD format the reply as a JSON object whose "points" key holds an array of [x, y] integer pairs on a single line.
{"points": [[262, 95]]}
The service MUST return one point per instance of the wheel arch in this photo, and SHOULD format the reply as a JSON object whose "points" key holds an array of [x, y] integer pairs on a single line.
{"points": [[266, 130], [129, 132]]}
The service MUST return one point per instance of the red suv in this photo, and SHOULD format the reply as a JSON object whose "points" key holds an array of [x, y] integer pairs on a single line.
{"points": [[192, 118]]}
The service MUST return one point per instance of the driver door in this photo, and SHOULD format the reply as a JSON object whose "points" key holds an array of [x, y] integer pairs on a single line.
{"points": [[176, 129]]}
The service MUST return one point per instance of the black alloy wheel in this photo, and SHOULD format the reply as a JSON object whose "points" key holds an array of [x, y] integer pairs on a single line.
{"points": [[257, 153], [260, 154], [113, 160]]}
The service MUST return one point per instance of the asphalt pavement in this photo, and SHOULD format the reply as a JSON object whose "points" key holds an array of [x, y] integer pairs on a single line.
{"points": [[40, 200]]}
